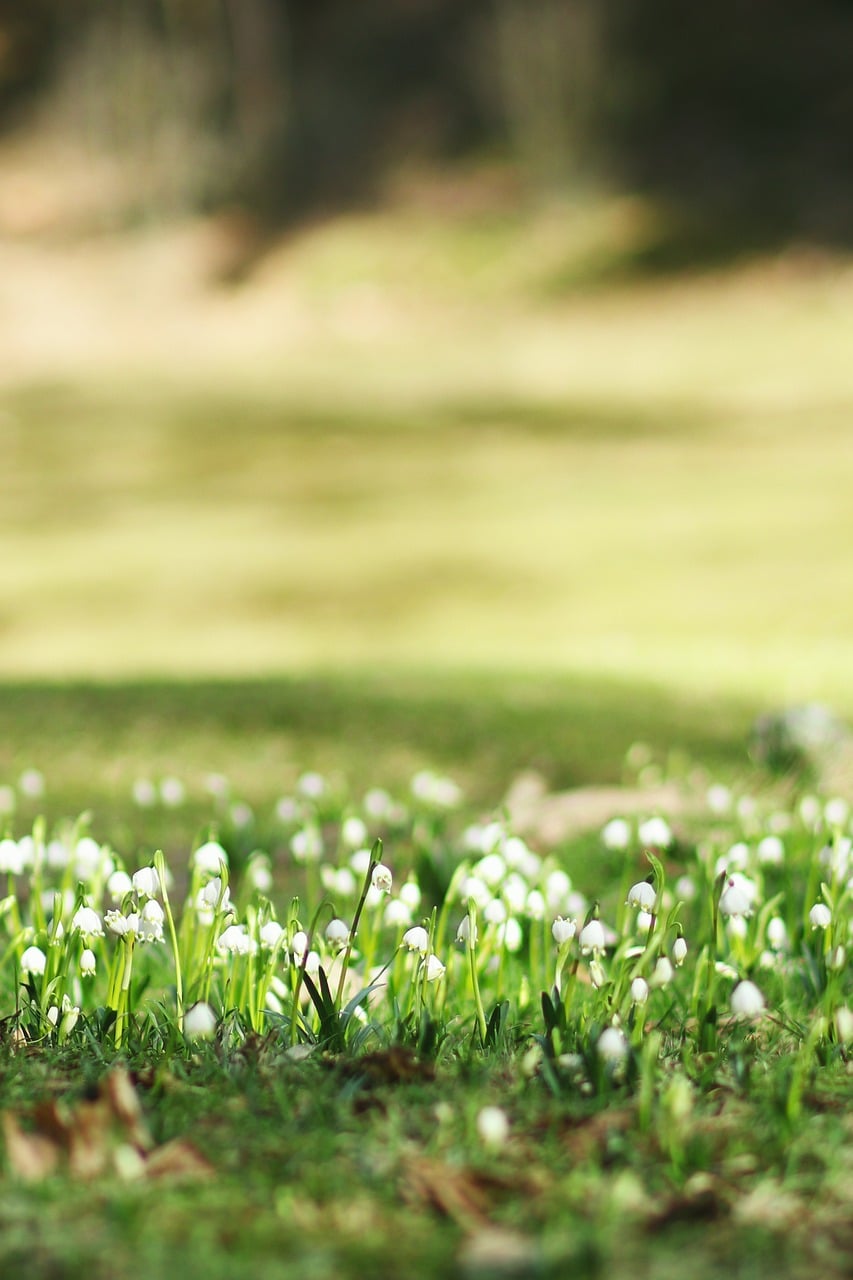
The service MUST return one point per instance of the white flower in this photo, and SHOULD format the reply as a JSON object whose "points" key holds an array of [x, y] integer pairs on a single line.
{"points": [[119, 885], [515, 892], [747, 1001], [656, 833], [410, 894], [495, 912], [172, 793], [616, 835], [734, 901], [492, 1126], [258, 872], [510, 935], [122, 926], [312, 785], [88, 963], [241, 815], [837, 959], [736, 927], [835, 857], [213, 895], [307, 845], [209, 858], [11, 859], [299, 945], [718, 799], [353, 832], [491, 869], [612, 1045], [685, 888], [146, 882], [836, 812], [234, 940], [33, 961], [463, 933], [820, 916], [642, 895], [639, 991], [396, 914], [31, 784], [679, 951], [337, 934], [777, 933], [563, 930], [87, 920], [597, 976], [434, 968], [844, 1024], [287, 809], [144, 793], [662, 973], [417, 939], [199, 1021], [771, 851], [377, 804], [474, 887], [645, 920], [592, 938], [558, 886], [360, 861], [534, 908], [381, 879], [271, 932]]}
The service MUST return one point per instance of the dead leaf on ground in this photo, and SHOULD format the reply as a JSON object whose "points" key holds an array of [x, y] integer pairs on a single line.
{"points": [[93, 1138], [458, 1194], [397, 1065]]}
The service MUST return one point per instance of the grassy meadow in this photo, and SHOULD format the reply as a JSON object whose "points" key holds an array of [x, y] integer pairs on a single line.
{"points": [[435, 487]]}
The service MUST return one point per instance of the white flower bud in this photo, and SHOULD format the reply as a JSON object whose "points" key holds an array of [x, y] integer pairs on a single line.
{"points": [[616, 835], [639, 991], [88, 963], [199, 1021], [434, 968], [492, 1126], [747, 1001], [662, 973], [777, 933], [612, 1045], [397, 915], [33, 961], [337, 934], [271, 932], [820, 916], [679, 951]]}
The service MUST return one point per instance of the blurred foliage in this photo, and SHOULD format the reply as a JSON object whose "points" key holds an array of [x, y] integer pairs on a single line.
{"points": [[740, 112]]}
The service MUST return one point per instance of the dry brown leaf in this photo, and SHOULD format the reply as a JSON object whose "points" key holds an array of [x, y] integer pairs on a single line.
{"points": [[457, 1193], [177, 1159], [32, 1156]]}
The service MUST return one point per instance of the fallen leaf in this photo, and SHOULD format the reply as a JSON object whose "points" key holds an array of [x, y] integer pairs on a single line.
{"points": [[32, 1157], [178, 1159], [457, 1193]]}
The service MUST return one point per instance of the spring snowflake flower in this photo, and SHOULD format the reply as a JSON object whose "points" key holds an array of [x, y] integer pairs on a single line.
{"points": [[123, 926], [592, 938], [299, 945], [491, 869], [33, 961], [378, 804], [213, 895], [271, 932], [312, 785], [353, 832], [417, 939], [474, 887], [307, 845], [663, 972], [612, 1045], [410, 894], [597, 975], [820, 916], [287, 809], [87, 920], [777, 934], [463, 933], [639, 991], [173, 793], [844, 1024], [144, 793], [510, 935], [616, 835], [495, 912], [492, 1127], [381, 879], [734, 900], [199, 1021], [558, 886], [656, 833], [771, 851], [146, 882], [718, 799], [434, 968], [396, 914], [209, 858], [235, 941], [337, 934], [515, 892], [534, 907], [835, 857], [259, 873], [679, 952], [747, 1001], [119, 885], [836, 812], [563, 930], [642, 895], [88, 963]]}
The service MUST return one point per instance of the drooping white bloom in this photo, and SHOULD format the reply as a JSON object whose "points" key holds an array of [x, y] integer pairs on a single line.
{"points": [[736, 927], [491, 869], [87, 920], [645, 920], [836, 812], [306, 845], [510, 935], [381, 879], [558, 886], [122, 926], [474, 887], [597, 975], [495, 912], [592, 938], [312, 785], [119, 885], [241, 815], [492, 1126], [534, 908], [151, 920], [612, 1045], [173, 793], [271, 932], [777, 933], [563, 930], [258, 872], [718, 799], [377, 804], [235, 940], [287, 809], [33, 961], [514, 892], [642, 895], [88, 858], [771, 851], [434, 968], [353, 832], [734, 901], [835, 857], [360, 861], [662, 973], [337, 933], [396, 914], [820, 916], [844, 1024], [685, 888], [299, 945], [747, 1001], [11, 859], [417, 939], [212, 895], [31, 784], [209, 858], [639, 991], [656, 833], [410, 894], [199, 1021], [679, 951], [463, 933], [616, 835], [837, 959], [146, 882], [88, 963], [144, 793]]}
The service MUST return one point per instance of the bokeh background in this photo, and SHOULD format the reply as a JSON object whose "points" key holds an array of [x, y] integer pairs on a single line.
{"points": [[510, 337]]}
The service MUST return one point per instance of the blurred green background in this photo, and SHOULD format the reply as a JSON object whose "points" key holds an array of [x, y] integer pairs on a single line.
{"points": [[428, 337]]}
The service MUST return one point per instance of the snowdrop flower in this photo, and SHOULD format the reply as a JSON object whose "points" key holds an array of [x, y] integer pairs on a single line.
{"points": [[495, 912], [491, 869], [337, 934], [474, 887], [122, 926], [410, 894], [119, 885], [209, 858], [381, 879], [558, 886], [353, 832], [662, 973], [463, 933], [299, 945], [616, 835], [492, 1126], [719, 799], [534, 908], [146, 882], [307, 845], [213, 895], [345, 884], [747, 1001], [655, 832], [612, 1045], [679, 951], [777, 934], [397, 915], [685, 888], [510, 935], [771, 851], [592, 938], [270, 934], [88, 963], [312, 785], [820, 916], [836, 812], [33, 961], [434, 968], [645, 920], [642, 895], [360, 861], [639, 991], [417, 939], [11, 859], [563, 930], [844, 1024], [734, 901], [377, 804], [199, 1021], [258, 872], [234, 941], [172, 793], [144, 793], [87, 920]]}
